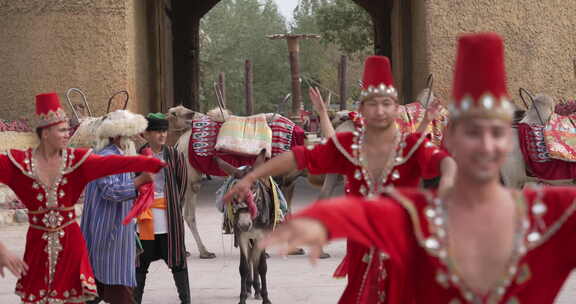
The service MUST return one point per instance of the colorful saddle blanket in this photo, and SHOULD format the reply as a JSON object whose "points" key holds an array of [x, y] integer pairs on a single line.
{"points": [[412, 114], [245, 135], [560, 137], [565, 108], [537, 158], [201, 150]]}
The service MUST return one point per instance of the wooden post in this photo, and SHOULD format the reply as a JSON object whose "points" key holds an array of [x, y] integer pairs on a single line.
{"points": [[185, 23], [574, 63], [294, 58], [342, 79], [222, 87], [248, 77], [186, 31]]}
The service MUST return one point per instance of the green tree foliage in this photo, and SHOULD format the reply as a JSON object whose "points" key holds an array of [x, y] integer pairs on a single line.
{"points": [[320, 59], [316, 58], [347, 25], [236, 31]]}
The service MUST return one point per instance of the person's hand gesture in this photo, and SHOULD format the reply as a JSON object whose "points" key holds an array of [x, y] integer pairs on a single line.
{"points": [[433, 111], [12, 262], [296, 233], [317, 101], [240, 190], [144, 178]]}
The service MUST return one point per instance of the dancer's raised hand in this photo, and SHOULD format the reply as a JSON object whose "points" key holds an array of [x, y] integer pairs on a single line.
{"points": [[317, 101]]}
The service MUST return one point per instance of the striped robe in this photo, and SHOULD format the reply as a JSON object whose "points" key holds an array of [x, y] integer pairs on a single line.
{"points": [[174, 189], [111, 245]]}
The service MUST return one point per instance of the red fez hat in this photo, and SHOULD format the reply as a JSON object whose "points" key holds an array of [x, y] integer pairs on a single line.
{"points": [[480, 78], [48, 110], [377, 79]]}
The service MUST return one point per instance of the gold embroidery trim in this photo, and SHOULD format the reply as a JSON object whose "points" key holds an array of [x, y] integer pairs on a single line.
{"points": [[51, 230], [41, 211], [79, 163], [53, 249], [555, 227], [19, 166], [413, 149], [365, 275]]}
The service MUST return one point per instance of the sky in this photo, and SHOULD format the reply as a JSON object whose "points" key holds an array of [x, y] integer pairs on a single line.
{"points": [[286, 7]]}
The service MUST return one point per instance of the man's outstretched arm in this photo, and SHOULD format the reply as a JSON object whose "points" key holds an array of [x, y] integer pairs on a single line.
{"points": [[319, 159], [97, 166], [284, 163], [366, 222]]}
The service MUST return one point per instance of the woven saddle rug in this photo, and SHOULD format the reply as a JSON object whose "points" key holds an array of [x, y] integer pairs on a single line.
{"points": [[536, 153], [412, 114], [201, 151], [560, 137]]}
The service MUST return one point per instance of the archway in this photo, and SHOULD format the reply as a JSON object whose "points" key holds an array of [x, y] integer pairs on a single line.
{"points": [[392, 20]]}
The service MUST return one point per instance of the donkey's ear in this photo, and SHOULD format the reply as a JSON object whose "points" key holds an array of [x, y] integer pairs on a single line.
{"points": [[228, 168]]}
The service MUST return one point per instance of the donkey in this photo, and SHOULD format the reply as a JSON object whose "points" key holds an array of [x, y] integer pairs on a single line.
{"points": [[250, 221]]}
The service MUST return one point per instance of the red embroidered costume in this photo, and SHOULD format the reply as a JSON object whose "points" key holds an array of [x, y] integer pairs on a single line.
{"points": [[416, 226], [415, 158], [59, 267]]}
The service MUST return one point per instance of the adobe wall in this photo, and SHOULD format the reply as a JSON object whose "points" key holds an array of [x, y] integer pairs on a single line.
{"points": [[539, 38], [50, 45]]}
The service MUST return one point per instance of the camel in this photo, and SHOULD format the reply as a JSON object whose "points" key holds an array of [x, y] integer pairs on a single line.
{"points": [[180, 119], [514, 169]]}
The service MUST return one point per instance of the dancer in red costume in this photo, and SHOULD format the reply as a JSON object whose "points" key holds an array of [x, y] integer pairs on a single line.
{"points": [[49, 180], [372, 158], [480, 242]]}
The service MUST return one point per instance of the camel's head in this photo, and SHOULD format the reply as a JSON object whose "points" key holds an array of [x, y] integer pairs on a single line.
{"points": [[219, 115], [540, 111], [181, 117], [340, 117]]}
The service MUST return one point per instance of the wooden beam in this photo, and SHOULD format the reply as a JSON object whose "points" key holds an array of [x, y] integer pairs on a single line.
{"points": [[381, 13], [186, 17], [222, 87], [407, 43], [342, 72], [248, 87], [201, 7], [294, 58]]}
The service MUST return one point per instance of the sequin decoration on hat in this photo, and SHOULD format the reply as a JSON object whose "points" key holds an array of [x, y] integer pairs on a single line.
{"points": [[377, 79]]}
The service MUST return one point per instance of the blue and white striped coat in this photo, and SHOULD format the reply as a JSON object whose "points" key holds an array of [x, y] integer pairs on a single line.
{"points": [[111, 245]]}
